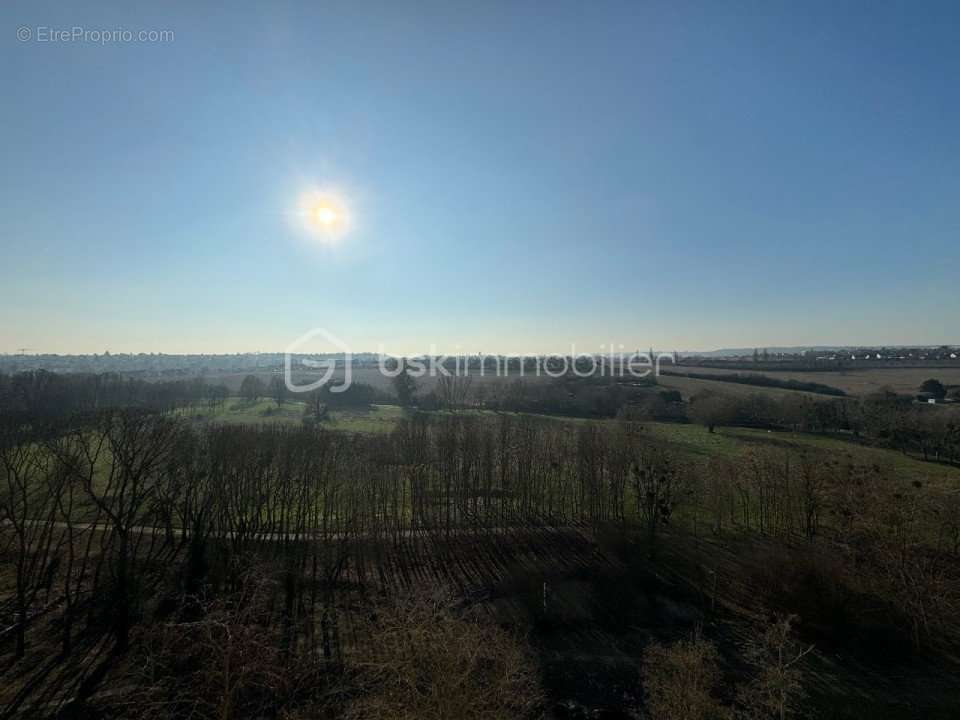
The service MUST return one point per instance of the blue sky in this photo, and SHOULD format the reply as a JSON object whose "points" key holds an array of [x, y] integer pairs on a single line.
{"points": [[522, 176]]}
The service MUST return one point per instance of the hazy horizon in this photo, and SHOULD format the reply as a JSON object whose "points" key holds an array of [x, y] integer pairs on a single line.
{"points": [[460, 352]]}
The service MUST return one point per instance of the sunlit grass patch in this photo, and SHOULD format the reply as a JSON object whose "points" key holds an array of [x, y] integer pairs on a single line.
{"points": [[375, 419], [238, 411]]}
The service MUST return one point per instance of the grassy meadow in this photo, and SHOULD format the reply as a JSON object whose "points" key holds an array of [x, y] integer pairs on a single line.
{"points": [[854, 382], [237, 411]]}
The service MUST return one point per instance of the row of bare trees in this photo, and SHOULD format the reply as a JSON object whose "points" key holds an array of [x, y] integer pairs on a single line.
{"points": [[97, 510]]}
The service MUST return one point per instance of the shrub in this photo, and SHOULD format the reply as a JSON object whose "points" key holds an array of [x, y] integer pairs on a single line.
{"points": [[680, 680], [428, 660]]}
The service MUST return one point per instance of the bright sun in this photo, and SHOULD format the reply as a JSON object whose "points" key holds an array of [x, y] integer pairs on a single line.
{"points": [[324, 215]]}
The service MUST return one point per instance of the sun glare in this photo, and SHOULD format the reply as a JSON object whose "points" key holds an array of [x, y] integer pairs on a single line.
{"points": [[324, 215]]}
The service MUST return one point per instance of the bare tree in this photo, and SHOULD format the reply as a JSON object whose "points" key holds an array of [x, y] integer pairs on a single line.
{"points": [[79, 521], [777, 685], [29, 496], [404, 384], [278, 390], [712, 409], [658, 487], [812, 487], [251, 389], [454, 390], [134, 447]]}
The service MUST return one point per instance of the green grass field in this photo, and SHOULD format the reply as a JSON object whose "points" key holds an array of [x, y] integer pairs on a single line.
{"points": [[859, 381], [236, 411], [375, 419], [695, 442], [689, 387]]}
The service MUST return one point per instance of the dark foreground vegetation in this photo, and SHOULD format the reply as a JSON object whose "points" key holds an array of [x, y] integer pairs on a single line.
{"points": [[40, 396], [465, 565]]}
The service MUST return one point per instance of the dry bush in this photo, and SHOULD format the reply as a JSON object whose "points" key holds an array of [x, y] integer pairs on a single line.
{"points": [[230, 663], [923, 585], [776, 688], [826, 591], [680, 680], [429, 661]]}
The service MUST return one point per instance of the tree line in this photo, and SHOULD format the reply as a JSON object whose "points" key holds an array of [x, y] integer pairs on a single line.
{"points": [[41, 394]]}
